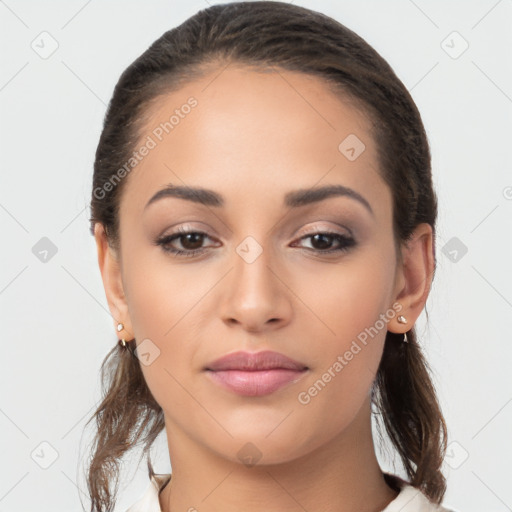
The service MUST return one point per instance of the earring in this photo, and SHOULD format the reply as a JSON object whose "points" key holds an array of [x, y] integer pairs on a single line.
{"points": [[122, 342], [402, 320]]}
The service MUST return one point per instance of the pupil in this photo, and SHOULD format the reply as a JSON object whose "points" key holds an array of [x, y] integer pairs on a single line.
{"points": [[324, 245], [190, 238]]}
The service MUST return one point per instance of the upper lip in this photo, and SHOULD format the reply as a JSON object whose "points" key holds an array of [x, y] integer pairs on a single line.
{"points": [[252, 361]]}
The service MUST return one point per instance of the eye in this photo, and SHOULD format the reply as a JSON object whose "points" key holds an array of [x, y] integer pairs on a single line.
{"points": [[322, 242], [191, 241]]}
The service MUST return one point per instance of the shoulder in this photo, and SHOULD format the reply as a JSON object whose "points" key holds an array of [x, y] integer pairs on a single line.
{"points": [[411, 499], [149, 501]]}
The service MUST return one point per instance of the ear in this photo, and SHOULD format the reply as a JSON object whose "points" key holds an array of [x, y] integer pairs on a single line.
{"points": [[112, 282], [414, 277]]}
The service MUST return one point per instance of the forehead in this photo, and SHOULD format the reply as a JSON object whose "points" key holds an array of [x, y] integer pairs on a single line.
{"points": [[237, 129]]}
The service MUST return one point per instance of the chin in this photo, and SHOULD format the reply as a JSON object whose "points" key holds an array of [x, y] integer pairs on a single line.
{"points": [[258, 448]]}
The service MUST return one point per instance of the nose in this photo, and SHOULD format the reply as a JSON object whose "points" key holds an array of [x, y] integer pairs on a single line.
{"points": [[255, 296]]}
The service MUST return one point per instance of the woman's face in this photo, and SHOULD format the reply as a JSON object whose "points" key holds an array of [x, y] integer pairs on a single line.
{"points": [[261, 279]]}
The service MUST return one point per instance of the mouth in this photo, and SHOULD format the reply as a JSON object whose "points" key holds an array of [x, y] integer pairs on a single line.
{"points": [[255, 361], [255, 374]]}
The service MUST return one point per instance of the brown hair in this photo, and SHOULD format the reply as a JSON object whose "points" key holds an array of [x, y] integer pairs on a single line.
{"points": [[266, 34]]}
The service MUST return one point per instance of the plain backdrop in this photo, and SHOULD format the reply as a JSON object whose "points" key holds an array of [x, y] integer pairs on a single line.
{"points": [[454, 57]]}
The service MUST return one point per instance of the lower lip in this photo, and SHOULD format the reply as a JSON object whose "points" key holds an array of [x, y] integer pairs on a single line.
{"points": [[255, 383]]}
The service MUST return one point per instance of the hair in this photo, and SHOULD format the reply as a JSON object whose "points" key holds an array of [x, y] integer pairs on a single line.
{"points": [[267, 34]]}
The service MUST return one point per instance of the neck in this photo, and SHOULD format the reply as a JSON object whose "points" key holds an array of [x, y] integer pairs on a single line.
{"points": [[343, 474]]}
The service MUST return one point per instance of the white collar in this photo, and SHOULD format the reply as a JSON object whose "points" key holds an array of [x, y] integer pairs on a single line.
{"points": [[409, 499]]}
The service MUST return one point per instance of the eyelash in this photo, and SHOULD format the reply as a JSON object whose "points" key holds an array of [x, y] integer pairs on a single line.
{"points": [[346, 241]]}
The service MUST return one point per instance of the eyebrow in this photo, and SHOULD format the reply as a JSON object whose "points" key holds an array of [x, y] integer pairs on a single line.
{"points": [[293, 199]]}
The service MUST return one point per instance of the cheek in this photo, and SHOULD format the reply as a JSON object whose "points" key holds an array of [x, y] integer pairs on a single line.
{"points": [[346, 300], [162, 306], [160, 293], [349, 303], [161, 302]]}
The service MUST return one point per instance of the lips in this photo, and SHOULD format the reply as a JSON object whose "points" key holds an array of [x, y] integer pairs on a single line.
{"points": [[250, 361], [255, 374]]}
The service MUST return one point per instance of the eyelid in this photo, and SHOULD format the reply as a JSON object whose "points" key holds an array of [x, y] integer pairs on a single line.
{"points": [[186, 228], [326, 229], [304, 231]]}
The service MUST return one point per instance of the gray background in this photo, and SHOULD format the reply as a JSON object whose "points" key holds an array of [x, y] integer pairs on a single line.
{"points": [[56, 328]]}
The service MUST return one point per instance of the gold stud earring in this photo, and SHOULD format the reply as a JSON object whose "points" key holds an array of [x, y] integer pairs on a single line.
{"points": [[122, 342], [401, 319]]}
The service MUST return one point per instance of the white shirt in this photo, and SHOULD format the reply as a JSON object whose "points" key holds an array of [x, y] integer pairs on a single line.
{"points": [[409, 499]]}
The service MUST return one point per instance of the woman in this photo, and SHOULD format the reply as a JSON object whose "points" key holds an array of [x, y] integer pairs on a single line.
{"points": [[264, 215]]}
